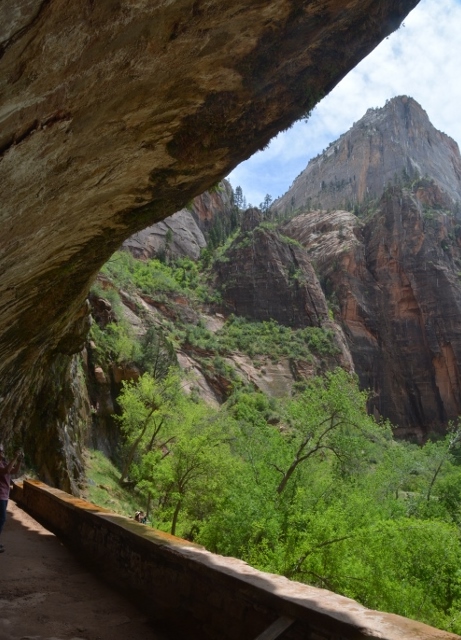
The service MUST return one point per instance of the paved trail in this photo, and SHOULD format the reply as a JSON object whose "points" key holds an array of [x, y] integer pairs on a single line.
{"points": [[45, 594]]}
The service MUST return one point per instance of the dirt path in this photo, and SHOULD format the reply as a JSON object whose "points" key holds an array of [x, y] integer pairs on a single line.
{"points": [[45, 594]]}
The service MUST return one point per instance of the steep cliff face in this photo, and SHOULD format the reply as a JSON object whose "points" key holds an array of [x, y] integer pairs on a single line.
{"points": [[213, 205], [114, 115], [184, 233], [394, 284], [263, 276], [391, 145]]}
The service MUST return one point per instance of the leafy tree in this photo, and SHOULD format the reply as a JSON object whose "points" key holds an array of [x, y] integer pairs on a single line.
{"points": [[329, 419], [115, 343], [238, 197], [265, 205], [157, 353], [443, 452], [190, 477], [147, 405]]}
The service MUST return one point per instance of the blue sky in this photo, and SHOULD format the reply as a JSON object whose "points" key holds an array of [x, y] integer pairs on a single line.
{"points": [[422, 59]]}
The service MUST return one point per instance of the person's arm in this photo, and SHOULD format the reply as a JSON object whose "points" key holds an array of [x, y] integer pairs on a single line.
{"points": [[19, 457], [15, 469], [13, 466]]}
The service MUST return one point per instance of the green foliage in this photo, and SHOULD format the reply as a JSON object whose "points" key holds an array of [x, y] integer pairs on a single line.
{"points": [[176, 450], [115, 343], [110, 294], [157, 353], [290, 241], [182, 277], [265, 205], [268, 338], [147, 406], [310, 487], [103, 485]]}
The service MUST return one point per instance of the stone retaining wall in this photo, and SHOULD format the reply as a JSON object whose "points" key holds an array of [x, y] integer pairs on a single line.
{"points": [[194, 594]]}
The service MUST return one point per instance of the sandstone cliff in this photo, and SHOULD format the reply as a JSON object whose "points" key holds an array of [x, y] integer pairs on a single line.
{"points": [[185, 233], [392, 145], [263, 276], [394, 284], [391, 277]]}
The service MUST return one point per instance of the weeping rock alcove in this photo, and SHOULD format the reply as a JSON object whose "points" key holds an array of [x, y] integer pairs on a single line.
{"points": [[114, 114]]}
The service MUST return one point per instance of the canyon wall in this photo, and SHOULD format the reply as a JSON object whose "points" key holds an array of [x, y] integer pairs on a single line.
{"points": [[393, 283]]}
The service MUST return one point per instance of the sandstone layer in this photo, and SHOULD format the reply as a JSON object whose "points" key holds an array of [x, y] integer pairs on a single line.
{"points": [[185, 232], [265, 276], [116, 114]]}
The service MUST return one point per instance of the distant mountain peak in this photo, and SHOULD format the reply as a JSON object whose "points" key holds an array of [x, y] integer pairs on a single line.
{"points": [[393, 144]]}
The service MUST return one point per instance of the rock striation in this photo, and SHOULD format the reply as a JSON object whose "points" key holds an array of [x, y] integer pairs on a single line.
{"points": [[390, 278], [175, 237], [264, 275], [393, 145], [391, 275], [393, 282]]}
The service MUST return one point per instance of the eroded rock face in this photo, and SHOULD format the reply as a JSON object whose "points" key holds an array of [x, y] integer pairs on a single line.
{"points": [[115, 115], [394, 282], [264, 276], [395, 144], [176, 236], [184, 233]]}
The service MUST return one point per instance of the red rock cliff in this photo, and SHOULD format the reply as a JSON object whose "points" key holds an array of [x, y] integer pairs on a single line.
{"points": [[394, 283]]}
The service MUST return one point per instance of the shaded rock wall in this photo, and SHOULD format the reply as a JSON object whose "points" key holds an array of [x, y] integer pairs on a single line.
{"points": [[265, 276], [176, 236], [116, 114]]}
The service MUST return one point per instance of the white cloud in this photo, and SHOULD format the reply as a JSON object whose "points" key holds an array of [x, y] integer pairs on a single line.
{"points": [[421, 59]]}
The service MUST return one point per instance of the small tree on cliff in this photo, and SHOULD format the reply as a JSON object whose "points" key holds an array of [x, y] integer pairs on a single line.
{"points": [[238, 198]]}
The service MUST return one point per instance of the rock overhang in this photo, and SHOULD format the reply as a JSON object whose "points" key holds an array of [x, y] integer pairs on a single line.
{"points": [[116, 114]]}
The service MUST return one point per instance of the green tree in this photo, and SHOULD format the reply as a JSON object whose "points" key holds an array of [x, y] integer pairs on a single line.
{"points": [[329, 419], [147, 405], [190, 474], [238, 197], [265, 205], [157, 353]]}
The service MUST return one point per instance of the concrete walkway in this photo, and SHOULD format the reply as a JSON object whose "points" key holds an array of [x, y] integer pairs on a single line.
{"points": [[46, 594]]}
